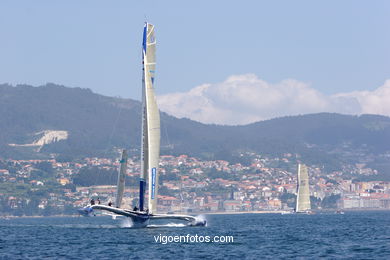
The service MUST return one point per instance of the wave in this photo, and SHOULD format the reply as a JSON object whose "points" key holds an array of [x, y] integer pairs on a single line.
{"points": [[167, 225]]}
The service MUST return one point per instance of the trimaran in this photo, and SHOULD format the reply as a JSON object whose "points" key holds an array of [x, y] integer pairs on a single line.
{"points": [[150, 150]]}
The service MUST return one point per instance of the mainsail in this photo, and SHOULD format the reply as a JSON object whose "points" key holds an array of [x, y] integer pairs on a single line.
{"points": [[303, 194], [121, 179], [150, 147]]}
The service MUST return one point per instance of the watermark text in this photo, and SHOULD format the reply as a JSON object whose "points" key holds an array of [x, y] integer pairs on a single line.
{"points": [[164, 239]]}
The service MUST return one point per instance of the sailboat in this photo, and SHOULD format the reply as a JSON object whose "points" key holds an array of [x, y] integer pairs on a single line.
{"points": [[150, 151], [303, 193]]}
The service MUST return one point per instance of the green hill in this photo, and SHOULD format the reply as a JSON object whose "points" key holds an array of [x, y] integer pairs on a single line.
{"points": [[97, 124]]}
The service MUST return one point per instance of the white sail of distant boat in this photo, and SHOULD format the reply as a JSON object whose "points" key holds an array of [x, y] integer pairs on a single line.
{"points": [[303, 192], [121, 179], [150, 151]]}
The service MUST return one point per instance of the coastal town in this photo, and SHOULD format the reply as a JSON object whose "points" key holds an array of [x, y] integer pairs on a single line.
{"points": [[187, 184]]}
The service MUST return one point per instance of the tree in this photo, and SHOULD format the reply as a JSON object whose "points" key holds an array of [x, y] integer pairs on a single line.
{"points": [[45, 167], [330, 202], [89, 176]]}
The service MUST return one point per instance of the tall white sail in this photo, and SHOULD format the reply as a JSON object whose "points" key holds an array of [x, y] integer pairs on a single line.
{"points": [[150, 149], [121, 179], [303, 194]]}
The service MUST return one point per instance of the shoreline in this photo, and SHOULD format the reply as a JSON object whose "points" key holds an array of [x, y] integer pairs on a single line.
{"points": [[210, 213], [38, 216], [187, 213], [243, 212]]}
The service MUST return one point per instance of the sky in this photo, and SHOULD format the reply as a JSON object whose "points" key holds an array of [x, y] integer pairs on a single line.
{"points": [[225, 62]]}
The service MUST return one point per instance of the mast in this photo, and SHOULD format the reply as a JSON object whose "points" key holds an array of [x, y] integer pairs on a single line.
{"points": [[150, 140], [121, 179], [144, 141], [303, 192]]}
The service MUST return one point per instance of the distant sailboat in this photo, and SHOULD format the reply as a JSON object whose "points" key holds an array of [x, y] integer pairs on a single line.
{"points": [[150, 150], [303, 193], [121, 180]]}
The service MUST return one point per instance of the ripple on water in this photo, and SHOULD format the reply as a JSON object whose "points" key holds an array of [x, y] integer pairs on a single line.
{"points": [[357, 235]]}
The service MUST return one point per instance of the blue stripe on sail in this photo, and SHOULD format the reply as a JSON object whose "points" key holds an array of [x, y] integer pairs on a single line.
{"points": [[142, 185], [144, 38], [154, 171]]}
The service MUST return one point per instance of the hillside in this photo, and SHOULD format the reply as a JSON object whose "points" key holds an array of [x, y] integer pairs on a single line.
{"points": [[95, 124]]}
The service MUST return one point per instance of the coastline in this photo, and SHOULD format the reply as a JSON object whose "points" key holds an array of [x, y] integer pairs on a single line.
{"points": [[244, 212], [187, 213], [210, 213], [51, 216]]}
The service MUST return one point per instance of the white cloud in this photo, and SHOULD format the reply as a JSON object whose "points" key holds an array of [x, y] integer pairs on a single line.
{"points": [[243, 99], [372, 102]]}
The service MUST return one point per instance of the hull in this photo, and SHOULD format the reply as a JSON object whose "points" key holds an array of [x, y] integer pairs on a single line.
{"points": [[142, 218]]}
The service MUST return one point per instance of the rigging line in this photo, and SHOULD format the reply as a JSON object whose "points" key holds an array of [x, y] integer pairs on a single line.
{"points": [[166, 134], [151, 31], [94, 182], [113, 130]]}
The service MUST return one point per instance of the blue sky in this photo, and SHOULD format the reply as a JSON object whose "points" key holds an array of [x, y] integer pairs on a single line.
{"points": [[331, 46]]}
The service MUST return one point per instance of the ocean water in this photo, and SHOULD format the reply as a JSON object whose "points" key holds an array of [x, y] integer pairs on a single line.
{"points": [[354, 235]]}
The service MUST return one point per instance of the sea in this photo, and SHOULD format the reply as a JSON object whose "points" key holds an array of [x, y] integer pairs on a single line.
{"points": [[353, 235]]}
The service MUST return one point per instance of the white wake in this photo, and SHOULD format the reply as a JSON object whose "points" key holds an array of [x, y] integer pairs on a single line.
{"points": [[167, 225], [126, 223]]}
